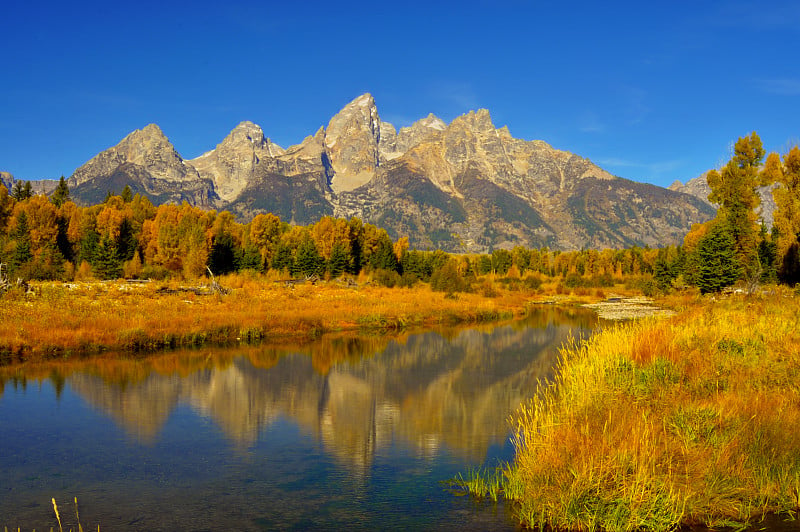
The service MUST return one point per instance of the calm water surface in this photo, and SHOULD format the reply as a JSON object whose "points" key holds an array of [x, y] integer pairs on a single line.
{"points": [[354, 433]]}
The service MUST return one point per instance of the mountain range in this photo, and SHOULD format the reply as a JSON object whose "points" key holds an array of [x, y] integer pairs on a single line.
{"points": [[465, 186]]}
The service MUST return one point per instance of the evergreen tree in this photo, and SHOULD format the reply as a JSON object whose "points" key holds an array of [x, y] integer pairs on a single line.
{"points": [[127, 194], [383, 258], [768, 255], [283, 260], [88, 246], [106, 260], [126, 241], [61, 194], [664, 272], [251, 259], [718, 262], [339, 260], [309, 261], [224, 255], [790, 265], [22, 190], [22, 252]]}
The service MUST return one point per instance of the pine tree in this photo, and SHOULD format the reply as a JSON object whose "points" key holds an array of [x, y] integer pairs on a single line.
{"points": [[22, 190], [383, 258], [718, 263], [339, 260], [22, 252], [309, 261], [251, 259], [106, 260], [224, 256], [283, 259], [61, 194]]}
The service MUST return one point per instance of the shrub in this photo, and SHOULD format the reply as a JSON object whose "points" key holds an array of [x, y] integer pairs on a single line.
{"points": [[447, 279], [158, 273], [387, 278], [534, 282]]}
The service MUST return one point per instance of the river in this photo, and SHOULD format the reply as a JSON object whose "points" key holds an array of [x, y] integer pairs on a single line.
{"points": [[348, 432]]}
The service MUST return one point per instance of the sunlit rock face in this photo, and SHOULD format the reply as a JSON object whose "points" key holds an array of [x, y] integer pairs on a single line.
{"points": [[351, 143], [231, 165], [466, 186], [148, 163]]}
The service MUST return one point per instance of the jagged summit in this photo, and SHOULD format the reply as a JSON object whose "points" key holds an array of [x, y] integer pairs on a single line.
{"points": [[465, 186], [231, 164], [351, 142], [246, 131], [148, 148]]}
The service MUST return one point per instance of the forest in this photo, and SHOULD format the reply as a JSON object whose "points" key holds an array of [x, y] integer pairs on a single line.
{"points": [[52, 238]]}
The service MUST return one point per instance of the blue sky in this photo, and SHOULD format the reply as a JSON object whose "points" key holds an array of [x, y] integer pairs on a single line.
{"points": [[650, 91]]}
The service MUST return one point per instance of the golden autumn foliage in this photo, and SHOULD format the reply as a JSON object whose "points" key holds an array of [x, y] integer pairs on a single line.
{"points": [[659, 424], [787, 214], [92, 317], [41, 216]]}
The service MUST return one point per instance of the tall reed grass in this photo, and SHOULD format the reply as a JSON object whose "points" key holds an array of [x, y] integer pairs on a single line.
{"points": [[657, 424]]}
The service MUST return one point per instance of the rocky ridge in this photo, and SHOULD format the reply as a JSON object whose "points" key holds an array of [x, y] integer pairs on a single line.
{"points": [[698, 187], [465, 186]]}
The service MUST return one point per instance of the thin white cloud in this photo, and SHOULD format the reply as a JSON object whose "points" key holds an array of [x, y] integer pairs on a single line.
{"points": [[460, 95], [636, 108], [781, 87], [591, 123], [656, 168], [767, 15]]}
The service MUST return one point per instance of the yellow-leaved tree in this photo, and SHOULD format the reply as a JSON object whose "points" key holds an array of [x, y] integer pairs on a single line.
{"points": [[787, 215]]}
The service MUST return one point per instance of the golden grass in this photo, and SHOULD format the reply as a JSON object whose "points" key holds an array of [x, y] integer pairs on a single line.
{"points": [[654, 424], [84, 318]]}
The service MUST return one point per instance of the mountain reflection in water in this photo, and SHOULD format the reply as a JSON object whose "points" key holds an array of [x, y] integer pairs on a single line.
{"points": [[366, 427], [429, 389]]}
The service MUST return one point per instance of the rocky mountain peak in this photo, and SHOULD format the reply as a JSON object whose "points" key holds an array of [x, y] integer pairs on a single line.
{"points": [[432, 122], [351, 142], [410, 136], [231, 164], [7, 179], [245, 133], [465, 186], [150, 135], [148, 148], [478, 121]]}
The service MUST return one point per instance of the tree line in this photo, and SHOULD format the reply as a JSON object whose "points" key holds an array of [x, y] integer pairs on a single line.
{"points": [[127, 236]]}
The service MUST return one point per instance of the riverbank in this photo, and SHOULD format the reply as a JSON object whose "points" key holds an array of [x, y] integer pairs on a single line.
{"points": [[59, 320], [659, 423]]}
